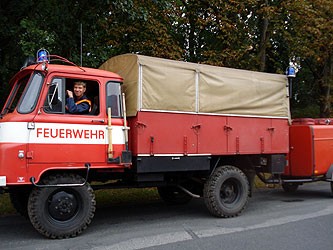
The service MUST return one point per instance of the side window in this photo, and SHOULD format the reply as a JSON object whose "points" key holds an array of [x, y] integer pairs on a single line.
{"points": [[55, 96], [113, 98], [72, 96]]}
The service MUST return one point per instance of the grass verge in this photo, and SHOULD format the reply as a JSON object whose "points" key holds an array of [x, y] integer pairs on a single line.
{"points": [[106, 198], [5, 205], [109, 197]]}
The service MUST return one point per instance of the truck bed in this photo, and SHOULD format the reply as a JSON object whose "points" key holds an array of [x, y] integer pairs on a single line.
{"points": [[163, 133]]}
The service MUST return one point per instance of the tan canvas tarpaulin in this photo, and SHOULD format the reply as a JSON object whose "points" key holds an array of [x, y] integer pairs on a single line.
{"points": [[166, 85]]}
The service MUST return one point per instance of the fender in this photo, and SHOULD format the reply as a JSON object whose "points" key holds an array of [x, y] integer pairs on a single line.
{"points": [[87, 165]]}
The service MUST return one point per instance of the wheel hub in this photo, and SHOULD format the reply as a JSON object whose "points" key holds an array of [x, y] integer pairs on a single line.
{"points": [[62, 206], [229, 192], [65, 206]]}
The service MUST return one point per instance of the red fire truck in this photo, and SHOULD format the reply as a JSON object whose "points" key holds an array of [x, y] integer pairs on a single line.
{"points": [[191, 130]]}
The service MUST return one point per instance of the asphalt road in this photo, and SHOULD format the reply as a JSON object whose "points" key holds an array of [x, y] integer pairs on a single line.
{"points": [[272, 220]]}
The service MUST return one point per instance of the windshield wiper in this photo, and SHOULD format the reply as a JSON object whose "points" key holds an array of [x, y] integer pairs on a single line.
{"points": [[4, 112]]}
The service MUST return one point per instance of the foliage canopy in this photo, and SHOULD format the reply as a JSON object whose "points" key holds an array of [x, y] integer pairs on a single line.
{"points": [[263, 35]]}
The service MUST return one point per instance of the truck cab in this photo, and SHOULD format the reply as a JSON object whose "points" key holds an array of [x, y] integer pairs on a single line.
{"points": [[37, 134]]}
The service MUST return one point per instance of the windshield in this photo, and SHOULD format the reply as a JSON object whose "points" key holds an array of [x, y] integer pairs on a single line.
{"points": [[16, 94], [24, 94], [30, 96]]}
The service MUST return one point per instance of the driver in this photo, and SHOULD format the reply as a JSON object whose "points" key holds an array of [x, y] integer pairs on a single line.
{"points": [[80, 103]]}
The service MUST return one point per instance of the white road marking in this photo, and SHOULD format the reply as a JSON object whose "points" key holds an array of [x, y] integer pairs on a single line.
{"points": [[149, 241], [269, 223], [167, 238]]}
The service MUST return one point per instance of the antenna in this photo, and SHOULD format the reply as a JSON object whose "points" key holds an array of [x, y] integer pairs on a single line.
{"points": [[81, 42]]}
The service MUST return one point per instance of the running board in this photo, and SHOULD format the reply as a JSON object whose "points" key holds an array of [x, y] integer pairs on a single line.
{"points": [[299, 180]]}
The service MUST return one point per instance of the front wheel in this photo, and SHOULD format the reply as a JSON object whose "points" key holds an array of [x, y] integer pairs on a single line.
{"points": [[226, 192], [61, 212]]}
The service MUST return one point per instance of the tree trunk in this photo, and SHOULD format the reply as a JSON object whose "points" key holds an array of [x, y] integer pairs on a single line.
{"points": [[191, 38], [263, 42], [325, 88], [324, 102]]}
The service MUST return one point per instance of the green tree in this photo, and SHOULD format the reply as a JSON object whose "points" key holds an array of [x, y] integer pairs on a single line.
{"points": [[143, 27], [55, 25], [11, 14], [52, 24], [228, 33], [309, 34], [258, 35]]}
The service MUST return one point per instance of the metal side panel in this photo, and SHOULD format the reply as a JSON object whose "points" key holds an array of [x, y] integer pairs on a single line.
{"points": [[153, 164], [301, 155]]}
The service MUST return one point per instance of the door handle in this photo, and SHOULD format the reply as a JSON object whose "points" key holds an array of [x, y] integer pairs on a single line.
{"points": [[101, 121]]}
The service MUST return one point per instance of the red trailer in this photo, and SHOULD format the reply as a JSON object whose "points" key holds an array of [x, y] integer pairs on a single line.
{"points": [[311, 144], [190, 130]]}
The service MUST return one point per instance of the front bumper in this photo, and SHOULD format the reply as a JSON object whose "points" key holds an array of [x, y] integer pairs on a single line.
{"points": [[2, 181]]}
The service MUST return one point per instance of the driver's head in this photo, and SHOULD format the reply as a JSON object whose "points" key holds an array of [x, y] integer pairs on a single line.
{"points": [[79, 89]]}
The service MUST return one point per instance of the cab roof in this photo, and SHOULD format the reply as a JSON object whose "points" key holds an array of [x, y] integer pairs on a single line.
{"points": [[52, 68]]}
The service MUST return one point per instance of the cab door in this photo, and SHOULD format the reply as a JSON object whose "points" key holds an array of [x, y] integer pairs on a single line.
{"points": [[58, 137], [16, 116], [117, 137]]}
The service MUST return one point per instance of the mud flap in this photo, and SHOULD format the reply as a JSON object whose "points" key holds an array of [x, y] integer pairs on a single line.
{"points": [[329, 174]]}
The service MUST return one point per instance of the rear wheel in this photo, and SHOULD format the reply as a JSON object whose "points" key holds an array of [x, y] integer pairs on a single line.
{"points": [[290, 187], [226, 192], [173, 195], [61, 212]]}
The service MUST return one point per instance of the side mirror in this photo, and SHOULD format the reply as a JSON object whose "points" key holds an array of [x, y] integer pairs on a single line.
{"points": [[30, 60]]}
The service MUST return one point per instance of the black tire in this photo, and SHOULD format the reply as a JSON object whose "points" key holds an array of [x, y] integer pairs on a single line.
{"points": [[332, 189], [61, 212], [226, 192], [173, 195], [290, 187], [19, 199]]}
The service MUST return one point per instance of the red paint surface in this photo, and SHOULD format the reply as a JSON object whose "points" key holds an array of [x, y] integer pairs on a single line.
{"points": [[301, 153], [311, 150], [175, 133]]}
